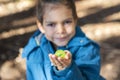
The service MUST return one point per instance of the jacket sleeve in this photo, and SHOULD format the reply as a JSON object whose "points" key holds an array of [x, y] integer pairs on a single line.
{"points": [[29, 75], [70, 73], [85, 65]]}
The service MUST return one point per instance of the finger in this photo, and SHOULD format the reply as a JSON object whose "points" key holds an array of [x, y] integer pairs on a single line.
{"points": [[50, 57], [52, 60], [63, 62], [68, 58], [68, 54], [66, 62], [57, 62]]}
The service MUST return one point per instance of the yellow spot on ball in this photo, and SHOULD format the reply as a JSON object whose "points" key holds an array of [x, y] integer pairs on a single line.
{"points": [[60, 53]]}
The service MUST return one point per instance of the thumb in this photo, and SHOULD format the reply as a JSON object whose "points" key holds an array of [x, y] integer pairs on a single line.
{"points": [[68, 54]]}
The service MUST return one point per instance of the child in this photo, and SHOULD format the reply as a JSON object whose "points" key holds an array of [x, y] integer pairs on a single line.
{"points": [[57, 30]]}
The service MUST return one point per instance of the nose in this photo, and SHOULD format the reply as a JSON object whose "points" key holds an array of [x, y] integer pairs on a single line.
{"points": [[60, 29]]}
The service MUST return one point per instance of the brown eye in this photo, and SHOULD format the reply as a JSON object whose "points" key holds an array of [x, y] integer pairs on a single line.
{"points": [[51, 25], [68, 22]]}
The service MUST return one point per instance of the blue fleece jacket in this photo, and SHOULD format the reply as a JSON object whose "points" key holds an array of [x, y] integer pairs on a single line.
{"points": [[85, 59]]}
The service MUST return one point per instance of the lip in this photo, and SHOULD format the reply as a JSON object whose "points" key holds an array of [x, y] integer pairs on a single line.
{"points": [[62, 39]]}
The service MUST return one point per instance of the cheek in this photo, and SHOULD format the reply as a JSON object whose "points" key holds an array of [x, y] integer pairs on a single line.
{"points": [[48, 31], [70, 30], [49, 35]]}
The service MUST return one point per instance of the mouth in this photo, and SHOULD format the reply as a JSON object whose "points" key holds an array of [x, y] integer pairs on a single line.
{"points": [[62, 38]]}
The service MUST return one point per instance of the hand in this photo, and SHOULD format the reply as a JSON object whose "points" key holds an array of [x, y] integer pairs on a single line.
{"points": [[59, 62]]}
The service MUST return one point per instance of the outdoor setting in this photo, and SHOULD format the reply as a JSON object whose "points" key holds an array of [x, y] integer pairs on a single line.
{"points": [[98, 19]]}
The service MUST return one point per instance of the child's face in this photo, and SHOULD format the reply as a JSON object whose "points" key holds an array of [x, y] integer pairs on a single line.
{"points": [[59, 25]]}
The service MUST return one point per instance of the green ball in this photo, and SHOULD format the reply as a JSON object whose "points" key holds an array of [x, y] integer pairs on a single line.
{"points": [[60, 53]]}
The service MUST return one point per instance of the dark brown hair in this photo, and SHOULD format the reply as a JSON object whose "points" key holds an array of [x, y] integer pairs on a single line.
{"points": [[41, 4]]}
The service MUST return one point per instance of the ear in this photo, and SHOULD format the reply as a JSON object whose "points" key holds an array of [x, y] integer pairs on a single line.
{"points": [[40, 27], [76, 22]]}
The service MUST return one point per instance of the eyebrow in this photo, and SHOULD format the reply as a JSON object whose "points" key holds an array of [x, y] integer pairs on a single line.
{"points": [[68, 19], [62, 21]]}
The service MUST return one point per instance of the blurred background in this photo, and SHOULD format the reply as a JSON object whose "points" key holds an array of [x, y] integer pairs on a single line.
{"points": [[99, 19]]}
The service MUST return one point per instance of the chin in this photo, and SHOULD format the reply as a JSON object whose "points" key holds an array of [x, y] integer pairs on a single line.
{"points": [[62, 44]]}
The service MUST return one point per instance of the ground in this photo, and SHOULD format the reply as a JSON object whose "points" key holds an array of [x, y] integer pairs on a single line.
{"points": [[99, 19]]}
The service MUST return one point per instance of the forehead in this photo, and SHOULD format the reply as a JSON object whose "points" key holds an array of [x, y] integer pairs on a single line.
{"points": [[53, 6], [54, 11]]}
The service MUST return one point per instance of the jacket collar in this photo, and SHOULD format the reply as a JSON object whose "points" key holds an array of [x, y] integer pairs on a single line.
{"points": [[32, 43], [79, 38]]}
